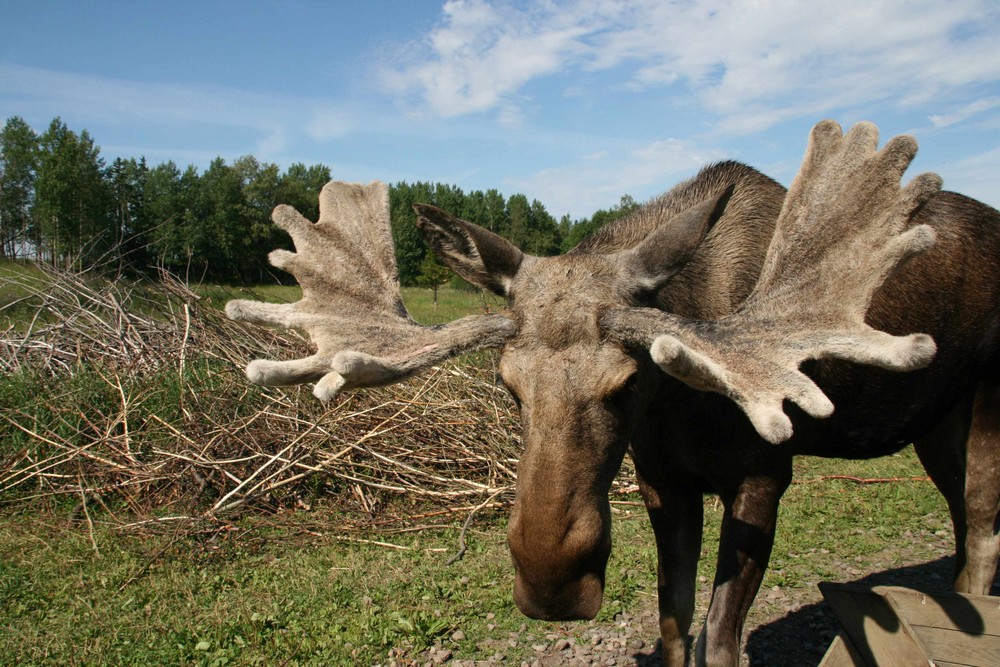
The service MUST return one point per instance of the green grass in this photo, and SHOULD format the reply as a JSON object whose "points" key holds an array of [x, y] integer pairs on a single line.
{"points": [[293, 589], [85, 588], [451, 303], [255, 594], [16, 306]]}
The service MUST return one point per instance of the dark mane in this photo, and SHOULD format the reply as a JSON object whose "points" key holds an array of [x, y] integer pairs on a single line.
{"points": [[747, 183]]}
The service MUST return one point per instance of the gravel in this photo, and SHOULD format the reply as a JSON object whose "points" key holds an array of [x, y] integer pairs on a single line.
{"points": [[787, 627]]}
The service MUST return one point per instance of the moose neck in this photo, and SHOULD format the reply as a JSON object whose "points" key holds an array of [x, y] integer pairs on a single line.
{"points": [[727, 264]]}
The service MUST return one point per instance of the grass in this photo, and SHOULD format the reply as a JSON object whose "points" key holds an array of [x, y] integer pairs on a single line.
{"points": [[451, 303], [296, 590], [16, 305], [85, 580]]}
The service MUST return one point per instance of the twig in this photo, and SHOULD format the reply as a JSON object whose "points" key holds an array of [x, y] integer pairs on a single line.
{"points": [[90, 523], [389, 545], [862, 480], [465, 528]]}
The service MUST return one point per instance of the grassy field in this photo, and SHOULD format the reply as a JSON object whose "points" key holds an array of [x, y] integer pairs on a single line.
{"points": [[293, 589], [320, 576], [451, 303]]}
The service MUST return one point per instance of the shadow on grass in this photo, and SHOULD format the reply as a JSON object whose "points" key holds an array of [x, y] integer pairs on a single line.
{"points": [[801, 637]]}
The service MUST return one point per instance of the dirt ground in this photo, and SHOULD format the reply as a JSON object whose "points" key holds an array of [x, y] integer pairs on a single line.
{"points": [[787, 627]]}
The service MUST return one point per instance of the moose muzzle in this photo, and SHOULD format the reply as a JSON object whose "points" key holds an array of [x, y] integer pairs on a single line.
{"points": [[559, 561]]}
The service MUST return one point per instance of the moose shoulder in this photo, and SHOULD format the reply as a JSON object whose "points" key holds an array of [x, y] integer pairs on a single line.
{"points": [[716, 333]]}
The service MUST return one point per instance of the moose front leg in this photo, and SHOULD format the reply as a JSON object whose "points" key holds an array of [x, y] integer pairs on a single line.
{"points": [[747, 536], [676, 516]]}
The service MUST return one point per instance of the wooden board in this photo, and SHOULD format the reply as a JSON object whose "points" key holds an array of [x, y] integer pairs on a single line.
{"points": [[873, 627], [957, 629], [842, 654], [887, 625]]}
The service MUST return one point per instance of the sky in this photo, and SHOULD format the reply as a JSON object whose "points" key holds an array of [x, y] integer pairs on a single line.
{"points": [[573, 103]]}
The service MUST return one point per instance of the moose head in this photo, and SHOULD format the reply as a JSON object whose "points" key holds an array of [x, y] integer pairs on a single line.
{"points": [[585, 347]]}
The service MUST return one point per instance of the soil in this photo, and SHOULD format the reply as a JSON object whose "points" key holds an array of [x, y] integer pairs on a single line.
{"points": [[786, 627]]}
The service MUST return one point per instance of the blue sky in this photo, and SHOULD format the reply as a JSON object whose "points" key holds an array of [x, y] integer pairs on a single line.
{"points": [[572, 103]]}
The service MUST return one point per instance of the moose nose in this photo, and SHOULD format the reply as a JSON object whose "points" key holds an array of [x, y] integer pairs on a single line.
{"points": [[577, 600], [559, 567]]}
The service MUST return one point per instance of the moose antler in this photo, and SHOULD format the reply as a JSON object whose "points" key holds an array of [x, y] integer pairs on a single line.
{"points": [[841, 232], [351, 305]]}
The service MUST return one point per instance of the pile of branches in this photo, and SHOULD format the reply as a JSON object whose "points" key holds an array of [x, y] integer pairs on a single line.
{"points": [[132, 394]]}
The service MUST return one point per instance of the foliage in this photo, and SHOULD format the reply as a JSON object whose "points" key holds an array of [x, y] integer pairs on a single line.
{"points": [[18, 157], [71, 198], [60, 202], [583, 228], [527, 225]]}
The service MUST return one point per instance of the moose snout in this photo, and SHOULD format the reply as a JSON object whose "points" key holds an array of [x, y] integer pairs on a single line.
{"points": [[578, 600], [559, 572]]}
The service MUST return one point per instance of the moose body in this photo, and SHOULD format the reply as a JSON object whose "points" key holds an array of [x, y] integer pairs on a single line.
{"points": [[688, 443], [723, 262]]}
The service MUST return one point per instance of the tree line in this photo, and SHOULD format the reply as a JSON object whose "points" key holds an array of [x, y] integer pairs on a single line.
{"points": [[61, 203]]}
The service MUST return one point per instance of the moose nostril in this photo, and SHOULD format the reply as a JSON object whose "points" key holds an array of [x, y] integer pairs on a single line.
{"points": [[578, 600]]}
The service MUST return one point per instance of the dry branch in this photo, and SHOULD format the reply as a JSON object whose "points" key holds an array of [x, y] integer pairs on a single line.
{"points": [[138, 395]]}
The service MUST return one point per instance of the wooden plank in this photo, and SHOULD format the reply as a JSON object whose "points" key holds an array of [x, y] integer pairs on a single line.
{"points": [[956, 646], [842, 654], [972, 614], [873, 627], [961, 629]]}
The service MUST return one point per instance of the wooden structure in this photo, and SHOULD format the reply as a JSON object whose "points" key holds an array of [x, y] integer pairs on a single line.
{"points": [[887, 626]]}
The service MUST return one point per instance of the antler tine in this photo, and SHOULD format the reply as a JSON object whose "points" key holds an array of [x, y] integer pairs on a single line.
{"points": [[843, 180], [840, 234], [351, 304]]}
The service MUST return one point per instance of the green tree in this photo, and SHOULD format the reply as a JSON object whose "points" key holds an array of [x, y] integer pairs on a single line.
{"points": [[433, 274], [584, 228], [127, 184], [301, 185], [410, 247], [262, 189], [18, 162], [495, 211], [543, 232], [519, 215], [72, 200], [219, 236], [164, 213]]}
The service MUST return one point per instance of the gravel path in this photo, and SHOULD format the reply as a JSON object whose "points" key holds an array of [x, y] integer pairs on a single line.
{"points": [[788, 627]]}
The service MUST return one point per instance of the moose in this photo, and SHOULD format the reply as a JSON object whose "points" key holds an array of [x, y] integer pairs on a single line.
{"points": [[710, 335]]}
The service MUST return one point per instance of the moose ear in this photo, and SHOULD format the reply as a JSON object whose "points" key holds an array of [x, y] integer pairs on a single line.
{"points": [[477, 254], [668, 248]]}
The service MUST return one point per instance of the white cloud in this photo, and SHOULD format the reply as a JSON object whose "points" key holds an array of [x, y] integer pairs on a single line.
{"points": [[974, 176], [598, 180], [481, 54], [273, 145], [749, 64], [108, 99], [327, 124], [964, 113], [274, 120]]}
